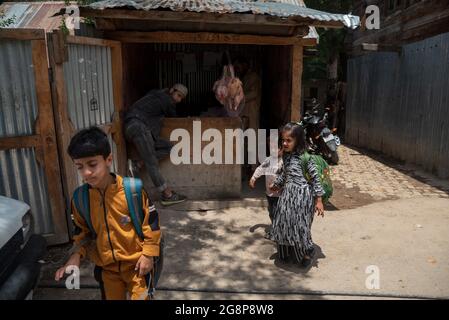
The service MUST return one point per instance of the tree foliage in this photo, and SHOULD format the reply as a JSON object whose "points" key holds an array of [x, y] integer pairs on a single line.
{"points": [[331, 42], [4, 23]]}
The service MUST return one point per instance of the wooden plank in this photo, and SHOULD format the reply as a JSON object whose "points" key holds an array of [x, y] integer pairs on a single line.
{"points": [[380, 47], [58, 46], [45, 128], [22, 34], [62, 121], [308, 42], [117, 88], [20, 142], [297, 61], [104, 24], [91, 41], [199, 37]]}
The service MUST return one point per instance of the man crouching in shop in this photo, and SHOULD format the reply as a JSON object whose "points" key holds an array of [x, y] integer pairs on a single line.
{"points": [[142, 127]]}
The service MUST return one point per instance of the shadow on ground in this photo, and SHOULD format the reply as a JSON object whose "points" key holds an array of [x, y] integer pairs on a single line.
{"points": [[209, 251]]}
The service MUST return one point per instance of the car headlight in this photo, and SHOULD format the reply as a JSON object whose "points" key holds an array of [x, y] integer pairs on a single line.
{"points": [[27, 226]]}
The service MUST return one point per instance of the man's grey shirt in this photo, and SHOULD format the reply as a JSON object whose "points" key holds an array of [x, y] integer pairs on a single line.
{"points": [[151, 109]]}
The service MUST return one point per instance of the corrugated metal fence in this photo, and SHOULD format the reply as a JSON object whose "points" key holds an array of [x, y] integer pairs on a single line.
{"points": [[21, 177], [88, 78], [399, 103]]}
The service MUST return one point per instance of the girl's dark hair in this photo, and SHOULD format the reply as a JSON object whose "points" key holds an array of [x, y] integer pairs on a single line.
{"points": [[89, 143], [297, 132]]}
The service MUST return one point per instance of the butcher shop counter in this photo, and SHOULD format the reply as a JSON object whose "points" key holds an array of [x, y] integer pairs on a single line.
{"points": [[188, 171]]}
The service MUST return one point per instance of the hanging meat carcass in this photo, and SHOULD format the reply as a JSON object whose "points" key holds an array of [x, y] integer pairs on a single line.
{"points": [[229, 91]]}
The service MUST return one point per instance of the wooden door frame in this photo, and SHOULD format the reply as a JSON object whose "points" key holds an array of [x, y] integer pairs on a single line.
{"points": [[44, 139], [58, 54]]}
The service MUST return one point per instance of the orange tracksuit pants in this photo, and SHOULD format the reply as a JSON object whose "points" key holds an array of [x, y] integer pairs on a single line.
{"points": [[121, 282]]}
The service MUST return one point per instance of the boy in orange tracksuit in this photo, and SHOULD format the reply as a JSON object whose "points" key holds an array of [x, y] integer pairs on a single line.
{"points": [[122, 260]]}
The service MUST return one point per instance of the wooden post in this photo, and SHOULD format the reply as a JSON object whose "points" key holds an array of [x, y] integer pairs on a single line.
{"points": [[117, 84], [296, 72], [63, 125], [45, 127]]}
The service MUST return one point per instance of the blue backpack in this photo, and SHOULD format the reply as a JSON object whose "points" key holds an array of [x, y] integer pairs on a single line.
{"points": [[133, 193]]}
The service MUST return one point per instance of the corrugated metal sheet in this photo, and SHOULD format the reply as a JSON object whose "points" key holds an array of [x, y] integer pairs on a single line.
{"points": [[88, 79], [313, 34], [36, 15], [273, 8], [399, 104], [20, 175]]}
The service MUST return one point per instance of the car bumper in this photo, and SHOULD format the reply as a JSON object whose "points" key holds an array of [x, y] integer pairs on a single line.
{"points": [[26, 274]]}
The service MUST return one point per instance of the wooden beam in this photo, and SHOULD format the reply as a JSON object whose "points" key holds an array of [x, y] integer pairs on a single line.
{"points": [[117, 88], [308, 42], [91, 41], [20, 142], [200, 37], [57, 41], [297, 60], [46, 129], [104, 24], [62, 122], [22, 34], [380, 47]]}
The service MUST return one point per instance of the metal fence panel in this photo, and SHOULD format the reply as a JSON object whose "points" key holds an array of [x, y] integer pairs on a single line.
{"points": [[21, 177], [399, 104]]}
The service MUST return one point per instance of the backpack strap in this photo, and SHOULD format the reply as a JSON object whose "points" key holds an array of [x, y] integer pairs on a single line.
{"points": [[133, 193], [82, 205], [305, 158]]}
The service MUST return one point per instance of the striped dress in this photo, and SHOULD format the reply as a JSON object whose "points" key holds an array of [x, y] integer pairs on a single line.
{"points": [[293, 217]]}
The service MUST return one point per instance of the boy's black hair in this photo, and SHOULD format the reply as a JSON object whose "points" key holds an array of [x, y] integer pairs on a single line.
{"points": [[297, 132], [89, 143]]}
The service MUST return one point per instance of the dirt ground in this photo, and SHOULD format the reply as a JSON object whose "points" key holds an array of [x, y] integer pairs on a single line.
{"points": [[383, 214]]}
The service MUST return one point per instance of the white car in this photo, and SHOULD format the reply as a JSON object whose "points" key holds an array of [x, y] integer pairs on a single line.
{"points": [[20, 251]]}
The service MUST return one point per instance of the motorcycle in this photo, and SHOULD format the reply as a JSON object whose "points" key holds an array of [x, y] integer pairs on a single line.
{"points": [[320, 139]]}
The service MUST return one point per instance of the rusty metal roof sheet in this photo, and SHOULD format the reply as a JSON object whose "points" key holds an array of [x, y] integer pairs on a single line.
{"points": [[34, 15], [274, 8]]}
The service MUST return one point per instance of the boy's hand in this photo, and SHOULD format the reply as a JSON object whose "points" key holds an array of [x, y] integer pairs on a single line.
{"points": [[144, 265], [319, 207], [274, 188], [252, 183], [73, 261]]}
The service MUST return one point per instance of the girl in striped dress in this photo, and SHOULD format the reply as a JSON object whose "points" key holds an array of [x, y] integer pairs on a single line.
{"points": [[298, 202]]}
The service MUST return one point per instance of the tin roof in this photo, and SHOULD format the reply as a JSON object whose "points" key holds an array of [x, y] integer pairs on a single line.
{"points": [[33, 15], [279, 8]]}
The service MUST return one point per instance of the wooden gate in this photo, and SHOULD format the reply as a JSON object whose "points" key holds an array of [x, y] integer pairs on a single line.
{"points": [[87, 91], [29, 161]]}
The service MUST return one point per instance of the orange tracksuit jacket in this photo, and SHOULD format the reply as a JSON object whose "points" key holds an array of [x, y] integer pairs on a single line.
{"points": [[117, 247]]}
